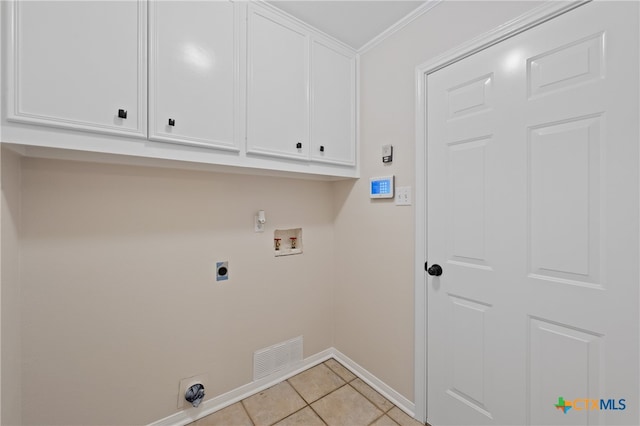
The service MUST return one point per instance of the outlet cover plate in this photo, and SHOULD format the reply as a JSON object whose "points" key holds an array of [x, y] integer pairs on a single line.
{"points": [[222, 271], [403, 196], [387, 153], [257, 226]]}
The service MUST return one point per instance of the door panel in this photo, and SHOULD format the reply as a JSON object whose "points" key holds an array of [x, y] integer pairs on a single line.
{"points": [[470, 97], [566, 66], [533, 214], [579, 377], [564, 191], [468, 355], [467, 187]]}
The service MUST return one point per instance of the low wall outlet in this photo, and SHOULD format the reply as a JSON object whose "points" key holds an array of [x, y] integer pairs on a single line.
{"points": [[222, 271]]}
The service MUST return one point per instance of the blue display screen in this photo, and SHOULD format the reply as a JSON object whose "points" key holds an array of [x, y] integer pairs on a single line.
{"points": [[380, 187]]}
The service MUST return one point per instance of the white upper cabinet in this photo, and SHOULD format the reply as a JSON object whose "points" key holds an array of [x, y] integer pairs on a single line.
{"points": [[217, 82], [79, 65], [301, 92], [194, 82], [278, 88], [333, 101]]}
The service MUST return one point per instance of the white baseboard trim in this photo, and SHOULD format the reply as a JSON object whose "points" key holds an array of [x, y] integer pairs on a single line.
{"points": [[212, 405], [184, 417], [381, 387]]}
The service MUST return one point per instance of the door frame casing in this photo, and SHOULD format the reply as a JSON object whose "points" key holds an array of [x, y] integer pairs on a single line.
{"points": [[548, 10]]}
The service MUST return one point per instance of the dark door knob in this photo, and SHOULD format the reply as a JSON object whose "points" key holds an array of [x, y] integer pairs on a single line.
{"points": [[321, 148], [435, 270], [122, 113], [172, 122], [299, 145]]}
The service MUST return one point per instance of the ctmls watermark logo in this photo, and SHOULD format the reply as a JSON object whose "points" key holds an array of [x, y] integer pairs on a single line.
{"points": [[582, 404]]}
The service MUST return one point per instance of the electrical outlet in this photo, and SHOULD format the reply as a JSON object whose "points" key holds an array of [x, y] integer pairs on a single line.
{"points": [[257, 226], [403, 196], [222, 271]]}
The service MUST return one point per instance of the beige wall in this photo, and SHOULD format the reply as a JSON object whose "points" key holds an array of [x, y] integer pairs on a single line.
{"points": [[10, 292], [375, 239], [119, 300]]}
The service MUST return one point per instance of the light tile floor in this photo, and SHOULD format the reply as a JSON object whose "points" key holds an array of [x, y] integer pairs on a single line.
{"points": [[327, 394]]}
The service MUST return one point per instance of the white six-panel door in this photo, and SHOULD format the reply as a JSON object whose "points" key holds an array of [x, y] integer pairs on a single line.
{"points": [[533, 213]]}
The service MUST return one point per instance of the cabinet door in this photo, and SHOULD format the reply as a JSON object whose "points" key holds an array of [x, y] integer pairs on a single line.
{"points": [[278, 119], [193, 79], [79, 65], [333, 103]]}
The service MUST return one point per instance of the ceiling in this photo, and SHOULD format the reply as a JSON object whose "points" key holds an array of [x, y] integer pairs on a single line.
{"points": [[355, 23]]}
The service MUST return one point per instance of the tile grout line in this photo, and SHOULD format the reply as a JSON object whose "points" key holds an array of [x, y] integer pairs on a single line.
{"points": [[247, 411], [303, 398], [383, 415], [296, 412], [384, 412], [374, 404], [318, 399], [335, 390], [317, 414], [305, 401], [344, 382], [298, 393], [365, 397], [338, 374]]}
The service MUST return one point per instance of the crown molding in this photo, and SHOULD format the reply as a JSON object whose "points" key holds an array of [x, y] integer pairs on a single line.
{"points": [[403, 22]]}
